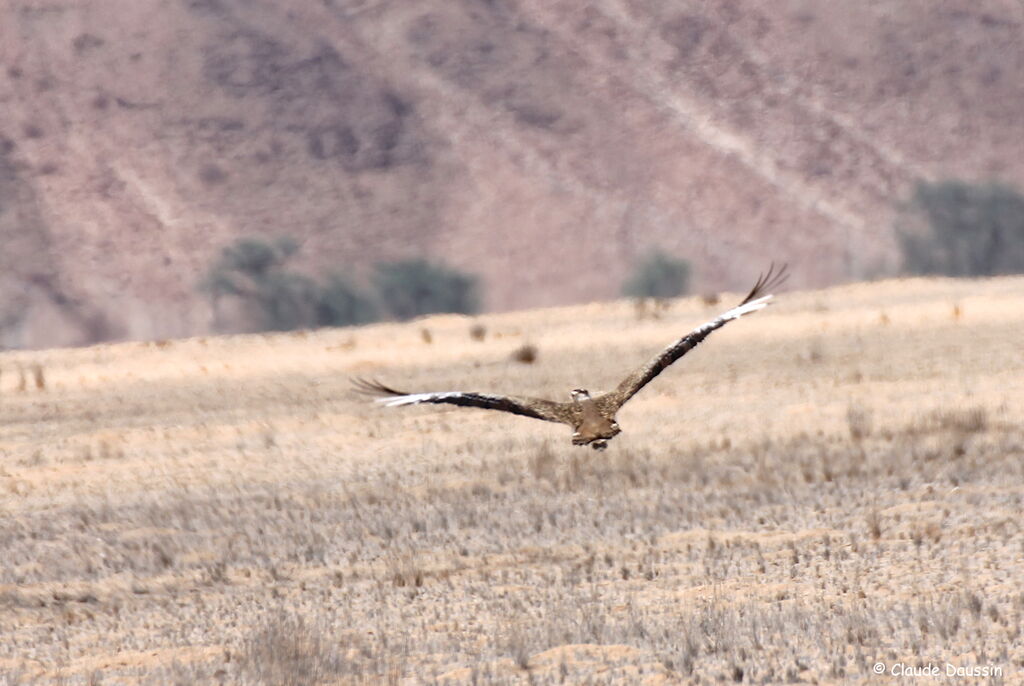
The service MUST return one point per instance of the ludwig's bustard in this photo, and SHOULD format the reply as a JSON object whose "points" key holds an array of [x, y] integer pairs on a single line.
{"points": [[592, 418]]}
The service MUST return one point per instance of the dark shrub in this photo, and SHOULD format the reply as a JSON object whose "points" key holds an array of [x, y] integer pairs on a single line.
{"points": [[410, 288], [343, 304], [253, 270], [960, 229], [658, 275], [289, 300]]}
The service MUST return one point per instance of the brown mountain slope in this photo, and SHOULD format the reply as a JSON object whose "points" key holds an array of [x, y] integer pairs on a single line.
{"points": [[542, 145]]}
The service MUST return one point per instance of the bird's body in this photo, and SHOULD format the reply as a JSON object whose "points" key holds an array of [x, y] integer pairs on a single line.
{"points": [[592, 427], [591, 418]]}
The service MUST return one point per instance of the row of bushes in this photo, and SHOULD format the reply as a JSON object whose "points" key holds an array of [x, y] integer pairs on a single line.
{"points": [[949, 227], [257, 273]]}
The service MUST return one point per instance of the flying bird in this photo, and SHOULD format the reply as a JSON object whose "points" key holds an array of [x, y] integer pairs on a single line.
{"points": [[591, 418]]}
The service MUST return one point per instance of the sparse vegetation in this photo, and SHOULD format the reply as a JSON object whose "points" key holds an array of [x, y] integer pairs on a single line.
{"points": [[38, 376], [287, 651], [710, 299], [159, 528], [859, 420], [650, 308], [255, 273], [415, 287], [478, 332], [525, 354], [658, 275], [960, 229], [279, 299]]}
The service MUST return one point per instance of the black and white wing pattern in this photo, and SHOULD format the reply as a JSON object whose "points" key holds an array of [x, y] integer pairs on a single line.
{"points": [[537, 408], [755, 300]]}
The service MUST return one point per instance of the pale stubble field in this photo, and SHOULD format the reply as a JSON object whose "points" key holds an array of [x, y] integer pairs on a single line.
{"points": [[832, 483]]}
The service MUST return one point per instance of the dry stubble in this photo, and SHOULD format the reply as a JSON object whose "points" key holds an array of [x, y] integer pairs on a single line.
{"points": [[831, 483]]}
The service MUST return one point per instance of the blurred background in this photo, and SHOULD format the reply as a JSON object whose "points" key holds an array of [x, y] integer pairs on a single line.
{"points": [[181, 167]]}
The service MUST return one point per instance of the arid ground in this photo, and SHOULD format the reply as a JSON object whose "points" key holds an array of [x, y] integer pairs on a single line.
{"points": [[832, 483]]}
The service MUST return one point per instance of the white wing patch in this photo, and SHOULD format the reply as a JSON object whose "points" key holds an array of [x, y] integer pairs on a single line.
{"points": [[416, 398], [737, 312], [734, 313]]}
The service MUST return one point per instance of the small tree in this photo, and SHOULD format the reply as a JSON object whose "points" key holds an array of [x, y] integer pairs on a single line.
{"points": [[257, 257], [960, 229], [253, 270], [410, 288], [658, 275]]}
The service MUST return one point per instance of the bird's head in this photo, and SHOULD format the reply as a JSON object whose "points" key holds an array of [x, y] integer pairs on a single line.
{"points": [[580, 394]]}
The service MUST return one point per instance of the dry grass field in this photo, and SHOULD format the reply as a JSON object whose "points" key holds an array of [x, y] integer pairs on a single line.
{"points": [[832, 483]]}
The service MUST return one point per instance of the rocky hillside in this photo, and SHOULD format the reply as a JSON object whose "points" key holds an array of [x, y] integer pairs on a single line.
{"points": [[542, 144]]}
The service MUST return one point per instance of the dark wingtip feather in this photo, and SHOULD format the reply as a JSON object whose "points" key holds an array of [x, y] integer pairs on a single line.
{"points": [[767, 281], [373, 387]]}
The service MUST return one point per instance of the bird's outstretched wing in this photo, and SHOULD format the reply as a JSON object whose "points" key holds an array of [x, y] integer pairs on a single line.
{"points": [[755, 300], [536, 408]]}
